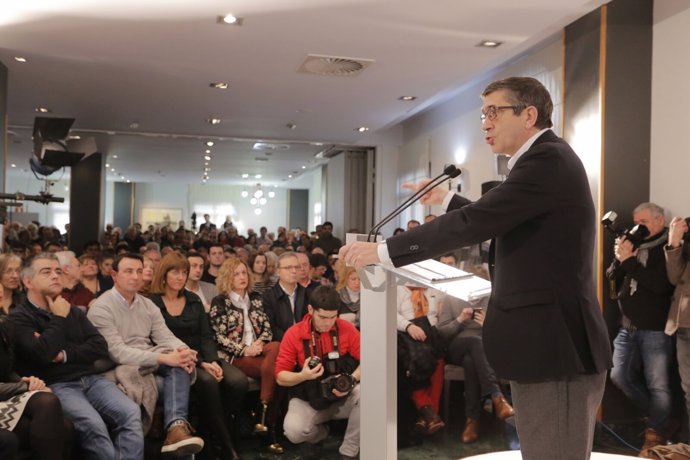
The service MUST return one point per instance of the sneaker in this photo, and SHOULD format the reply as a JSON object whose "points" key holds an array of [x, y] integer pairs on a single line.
{"points": [[180, 441]]}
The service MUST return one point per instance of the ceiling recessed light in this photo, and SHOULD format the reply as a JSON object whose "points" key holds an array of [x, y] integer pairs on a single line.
{"points": [[407, 98], [219, 85], [42, 110], [207, 157], [134, 125], [291, 126], [257, 176], [214, 121], [230, 20], [112, 169], [207, 169], [290, 176], [362, 129], [115, 156], [20, 59], [205, 163], [107, 165], [304, 167], [128, 181], [210, 143], [489, 44], [13, 165], [208, 151], [245, 176]]}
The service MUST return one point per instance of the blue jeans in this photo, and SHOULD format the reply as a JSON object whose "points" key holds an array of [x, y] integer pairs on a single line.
{"points": [[97, 406], [641, 361], [173, 390]]}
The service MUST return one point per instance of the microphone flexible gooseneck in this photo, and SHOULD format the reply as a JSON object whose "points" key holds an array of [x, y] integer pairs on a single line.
{"points": [[449, 172]]}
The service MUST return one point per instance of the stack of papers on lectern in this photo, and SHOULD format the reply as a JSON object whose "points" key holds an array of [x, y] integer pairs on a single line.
{"points": [[447, 279]]}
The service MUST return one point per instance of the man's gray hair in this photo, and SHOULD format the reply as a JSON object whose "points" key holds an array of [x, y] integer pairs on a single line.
{"points": [[654, 209], [65, 257], [285, 255], [28, 270]]}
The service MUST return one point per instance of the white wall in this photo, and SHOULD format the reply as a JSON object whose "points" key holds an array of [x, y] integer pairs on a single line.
{"points": [[217, 200], [670, 143]]}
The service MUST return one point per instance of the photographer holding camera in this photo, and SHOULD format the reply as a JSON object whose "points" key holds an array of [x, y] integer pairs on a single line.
{"points": [[642, 350], [319, 360], [677, 253]]}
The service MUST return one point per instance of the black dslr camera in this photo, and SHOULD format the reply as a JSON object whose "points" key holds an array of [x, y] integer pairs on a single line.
{"points": [[342, 382], [636, 235]]}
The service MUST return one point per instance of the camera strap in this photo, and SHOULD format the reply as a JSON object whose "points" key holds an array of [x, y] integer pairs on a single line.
{"points": [[311, 347]]}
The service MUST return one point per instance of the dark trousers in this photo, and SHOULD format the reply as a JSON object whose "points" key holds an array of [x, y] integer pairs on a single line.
{"points": [[480, 379]]}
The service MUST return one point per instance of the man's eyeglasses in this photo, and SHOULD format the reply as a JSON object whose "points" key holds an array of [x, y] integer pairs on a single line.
{"points": [[491, 112], [290, 268]]}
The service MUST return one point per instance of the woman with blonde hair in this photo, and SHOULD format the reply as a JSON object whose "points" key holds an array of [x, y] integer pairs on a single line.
{"points": [[349, 289], [219, 386], [10, 269], [244, 337]]}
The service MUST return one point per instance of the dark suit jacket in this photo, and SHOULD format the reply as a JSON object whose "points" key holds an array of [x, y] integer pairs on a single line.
{"points": [[544, 321], [279, 311]]}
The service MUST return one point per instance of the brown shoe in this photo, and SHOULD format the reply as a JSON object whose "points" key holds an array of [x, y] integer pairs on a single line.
{"points": [[502, 409], [651, 439], [471, 431], [180, 440]]}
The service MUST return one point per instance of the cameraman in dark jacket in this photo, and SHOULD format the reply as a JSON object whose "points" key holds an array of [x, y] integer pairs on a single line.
{"points": [[642, 351], [319, 359]]}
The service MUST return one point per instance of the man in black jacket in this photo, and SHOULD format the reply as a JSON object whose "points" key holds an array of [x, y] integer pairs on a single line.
{"points": [[286, 302], [642, 350], [55, 342], [544, 330]]}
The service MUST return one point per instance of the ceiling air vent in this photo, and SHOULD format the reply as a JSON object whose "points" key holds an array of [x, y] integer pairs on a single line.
{"points": [[333, 66]]}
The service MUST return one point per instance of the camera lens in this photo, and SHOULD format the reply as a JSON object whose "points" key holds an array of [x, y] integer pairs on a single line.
{"points": [[314, 361]]}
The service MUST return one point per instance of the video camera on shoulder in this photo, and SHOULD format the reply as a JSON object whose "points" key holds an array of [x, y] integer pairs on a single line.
{"points": [[636, 235]]}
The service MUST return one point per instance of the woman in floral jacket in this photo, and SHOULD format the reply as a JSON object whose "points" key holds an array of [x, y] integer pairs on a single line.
{"points": [[243, 334]]}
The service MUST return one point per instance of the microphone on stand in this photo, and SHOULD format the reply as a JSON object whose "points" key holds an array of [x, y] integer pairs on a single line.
{"points": [[449, 172]]}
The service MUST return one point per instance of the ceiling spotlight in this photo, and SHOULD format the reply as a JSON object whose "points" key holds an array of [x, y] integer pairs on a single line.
{"points": [[115, 156], [257, 176], [107, 165], [134, 125], [230, 20], [304, 167], [362, 129], [271, 194], [291, 126], [207, 151], [218, 85], [207, 157], [214, 121], [207, 169], [210, 143], [289, 176], [407, 98], [20, 59], [489, 44], [112, 169], [203, 180], [42, 110], [13, 165], [257, 211], [245, 176], [128, 181], [253, 201], [263, 201], [244, 194]]}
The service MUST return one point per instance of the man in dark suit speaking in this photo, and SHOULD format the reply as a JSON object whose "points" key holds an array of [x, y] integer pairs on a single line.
{"points": [[544, 330]]}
